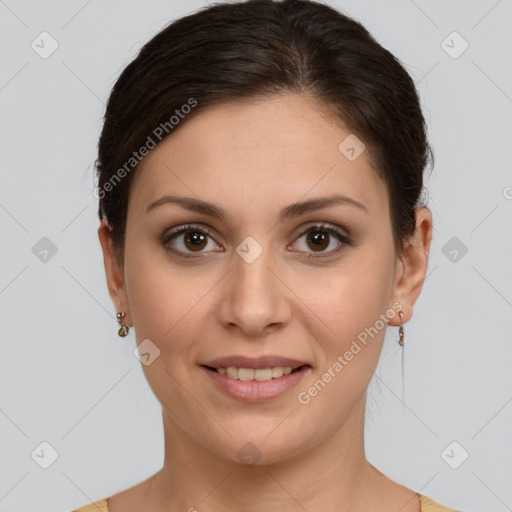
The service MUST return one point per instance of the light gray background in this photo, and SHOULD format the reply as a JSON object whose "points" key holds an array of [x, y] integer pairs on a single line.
{"points": [[67, 379]]}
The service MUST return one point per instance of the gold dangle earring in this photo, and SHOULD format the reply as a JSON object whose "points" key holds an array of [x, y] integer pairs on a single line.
{"points": [[123, 331], [401, 329], [401, 343]]}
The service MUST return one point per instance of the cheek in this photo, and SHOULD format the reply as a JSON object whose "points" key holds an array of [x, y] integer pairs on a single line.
{"points": [[166, 300], [168, 307], [353, 297], [353, 309]]}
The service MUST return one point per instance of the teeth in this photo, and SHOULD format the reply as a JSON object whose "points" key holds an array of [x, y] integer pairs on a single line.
{"points": [[261, 374]]}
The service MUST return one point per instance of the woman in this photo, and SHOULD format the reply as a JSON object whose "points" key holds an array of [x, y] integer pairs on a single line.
{"points": [[260, 169]]}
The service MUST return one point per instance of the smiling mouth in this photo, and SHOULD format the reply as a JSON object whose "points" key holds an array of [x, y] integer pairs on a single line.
{"points": [[256, 374]]}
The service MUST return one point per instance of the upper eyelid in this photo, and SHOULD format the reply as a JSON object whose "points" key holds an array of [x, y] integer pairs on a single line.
{"points": [[183, 228]]}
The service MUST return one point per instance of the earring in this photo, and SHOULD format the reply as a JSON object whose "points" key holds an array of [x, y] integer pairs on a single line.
{"points": [[123, 331], [401, 329]]}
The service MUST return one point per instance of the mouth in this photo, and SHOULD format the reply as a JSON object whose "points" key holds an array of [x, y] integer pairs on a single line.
{"points": [[256, 374], [260, 383]]}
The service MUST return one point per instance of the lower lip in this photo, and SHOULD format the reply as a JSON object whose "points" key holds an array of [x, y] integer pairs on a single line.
{"points": [[256, 391]]}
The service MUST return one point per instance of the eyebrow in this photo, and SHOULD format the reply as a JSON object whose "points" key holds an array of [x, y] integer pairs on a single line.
{"points": [[291, 211]]}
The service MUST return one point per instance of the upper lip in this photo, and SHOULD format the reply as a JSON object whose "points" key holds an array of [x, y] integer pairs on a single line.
{"points": [[268, 361]]}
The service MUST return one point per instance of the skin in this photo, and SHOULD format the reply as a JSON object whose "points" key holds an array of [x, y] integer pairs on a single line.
{"points": [[252, 159]]}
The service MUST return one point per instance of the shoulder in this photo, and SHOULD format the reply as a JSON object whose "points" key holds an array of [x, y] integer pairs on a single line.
{"points": [[97, 506], [429, 505]]}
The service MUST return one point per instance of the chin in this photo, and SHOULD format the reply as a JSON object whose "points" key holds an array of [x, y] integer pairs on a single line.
{"points": [[259, 450]]}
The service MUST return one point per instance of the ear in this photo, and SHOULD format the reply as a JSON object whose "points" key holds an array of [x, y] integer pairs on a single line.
{"points": [[113, 272], [412, 265]]}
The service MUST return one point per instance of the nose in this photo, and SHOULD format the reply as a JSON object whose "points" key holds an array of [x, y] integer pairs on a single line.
{"points": [[255, 298]]}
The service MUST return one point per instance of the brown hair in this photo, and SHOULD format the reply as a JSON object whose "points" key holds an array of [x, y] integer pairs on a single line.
{"points": [[255, 49]]}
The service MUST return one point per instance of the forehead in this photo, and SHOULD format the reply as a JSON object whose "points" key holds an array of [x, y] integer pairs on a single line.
{"points": [[276, 150]]}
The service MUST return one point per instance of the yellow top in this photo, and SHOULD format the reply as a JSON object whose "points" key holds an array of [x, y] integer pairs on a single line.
{"points": [[427, 505]]}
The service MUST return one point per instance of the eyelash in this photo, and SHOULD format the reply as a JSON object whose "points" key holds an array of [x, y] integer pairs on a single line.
{"points": [[325, 228]]}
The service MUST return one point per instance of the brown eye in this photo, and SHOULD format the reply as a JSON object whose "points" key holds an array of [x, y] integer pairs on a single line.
{"points": [[319, 238], [190, 239], [194, 240]]}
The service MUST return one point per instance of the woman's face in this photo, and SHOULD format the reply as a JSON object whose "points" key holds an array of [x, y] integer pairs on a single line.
{"points": [[262, 279]]}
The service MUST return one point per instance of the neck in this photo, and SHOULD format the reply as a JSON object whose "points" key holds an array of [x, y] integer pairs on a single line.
{"points": [[332, 475]]}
